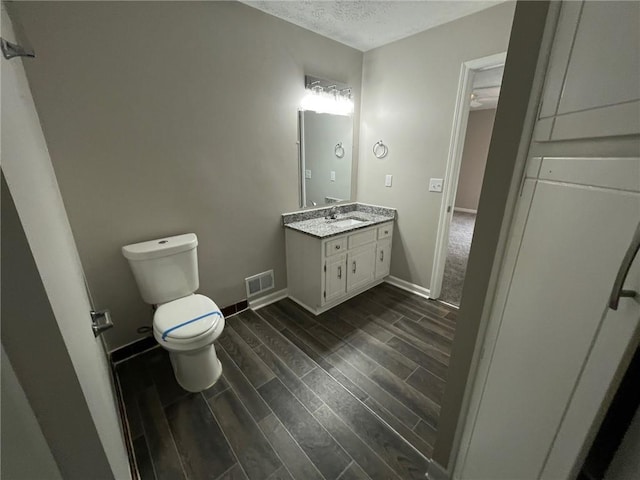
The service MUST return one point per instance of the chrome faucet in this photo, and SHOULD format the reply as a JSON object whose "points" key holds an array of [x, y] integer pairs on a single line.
{"points": [[333, 214]]}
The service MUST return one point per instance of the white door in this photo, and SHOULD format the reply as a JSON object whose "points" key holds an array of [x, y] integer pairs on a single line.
{"points": [[559, 346], [361, 266], [31, 180]]}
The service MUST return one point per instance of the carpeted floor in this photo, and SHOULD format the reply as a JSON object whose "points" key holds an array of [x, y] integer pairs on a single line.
{"points": [[460, 234]]}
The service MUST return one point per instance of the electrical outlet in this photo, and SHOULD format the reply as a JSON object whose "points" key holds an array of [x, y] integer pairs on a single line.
{"points": [[387, 180], [307, 174], [435, 185]]}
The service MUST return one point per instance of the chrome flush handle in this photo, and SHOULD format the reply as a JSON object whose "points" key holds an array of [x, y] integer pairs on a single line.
{"points": [[617, 291]]}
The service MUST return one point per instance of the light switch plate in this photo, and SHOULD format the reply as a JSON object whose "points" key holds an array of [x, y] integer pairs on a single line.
{"points": [[307, 174], [333, 176], [387, 180], [435, 185]]}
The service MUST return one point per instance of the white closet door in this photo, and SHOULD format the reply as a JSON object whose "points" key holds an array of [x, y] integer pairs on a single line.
{"points": [[592, 86], [577, 231]]}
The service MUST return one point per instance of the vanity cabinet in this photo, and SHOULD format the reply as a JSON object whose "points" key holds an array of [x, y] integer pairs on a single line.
{"points": [[325, 272]]}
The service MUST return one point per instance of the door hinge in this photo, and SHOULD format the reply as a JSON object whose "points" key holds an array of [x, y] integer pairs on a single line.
{"points": [[449, 209], [324, 294], [100, 321], [325, 267]]}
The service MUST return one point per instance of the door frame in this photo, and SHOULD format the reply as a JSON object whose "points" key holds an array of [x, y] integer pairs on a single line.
{"points": [[468, 71], [302, 165]]}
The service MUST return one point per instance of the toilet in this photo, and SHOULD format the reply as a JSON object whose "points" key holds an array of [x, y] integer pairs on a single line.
{"points": [[185, 323]]}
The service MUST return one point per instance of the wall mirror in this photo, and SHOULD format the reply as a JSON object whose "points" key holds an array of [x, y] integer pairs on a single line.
{"points": [[326, 158]]}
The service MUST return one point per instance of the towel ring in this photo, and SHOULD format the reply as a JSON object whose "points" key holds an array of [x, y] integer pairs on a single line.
{"points": [[380, 150], [339, 150]]}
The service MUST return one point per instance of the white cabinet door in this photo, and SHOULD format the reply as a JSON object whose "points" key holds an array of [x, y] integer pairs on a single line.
{"points": [[361, 265], [383, 258], [592, 87], [558, 345], [604, 66], [335, 279]]}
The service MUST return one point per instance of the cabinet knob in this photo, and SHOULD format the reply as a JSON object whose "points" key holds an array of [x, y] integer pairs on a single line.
{"points": [[386, 231], [337, 247]]}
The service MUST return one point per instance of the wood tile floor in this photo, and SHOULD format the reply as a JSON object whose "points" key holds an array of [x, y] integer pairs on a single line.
{"points": [[354, 393]]}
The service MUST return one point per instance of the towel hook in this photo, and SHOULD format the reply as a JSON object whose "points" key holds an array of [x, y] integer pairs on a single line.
{"points": [[380, 150]]}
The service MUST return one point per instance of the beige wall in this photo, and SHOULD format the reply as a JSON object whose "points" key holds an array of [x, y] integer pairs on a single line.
{"points": [[409, 94], [474, 158], [170, 117]]}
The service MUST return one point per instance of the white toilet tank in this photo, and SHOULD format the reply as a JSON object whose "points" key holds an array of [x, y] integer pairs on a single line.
{"points": [[165, 269]]}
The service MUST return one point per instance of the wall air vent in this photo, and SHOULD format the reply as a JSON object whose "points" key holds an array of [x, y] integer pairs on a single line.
{"points": [[259, 283]]}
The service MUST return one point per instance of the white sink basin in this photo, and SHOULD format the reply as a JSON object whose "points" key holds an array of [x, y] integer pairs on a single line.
{"points": [[348, 222]]}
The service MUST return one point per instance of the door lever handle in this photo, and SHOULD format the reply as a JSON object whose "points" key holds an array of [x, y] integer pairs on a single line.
{"points": [[617, 291]]}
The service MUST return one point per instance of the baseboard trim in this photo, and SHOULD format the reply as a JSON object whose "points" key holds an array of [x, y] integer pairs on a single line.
{"points": [[235, 308], [335, 303], [268, 299], [464, 210], [408, 286], [437, 472], [132, 349]]}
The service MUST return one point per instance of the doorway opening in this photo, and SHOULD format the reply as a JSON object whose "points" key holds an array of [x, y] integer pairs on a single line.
{"points": [[478, 92]]}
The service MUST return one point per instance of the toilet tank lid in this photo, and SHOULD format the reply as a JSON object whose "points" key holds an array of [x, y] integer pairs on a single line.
{"points": [[160, 247]]}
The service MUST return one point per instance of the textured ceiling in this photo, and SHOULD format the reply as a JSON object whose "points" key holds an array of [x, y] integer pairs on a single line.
{"points": [[366, 24]]}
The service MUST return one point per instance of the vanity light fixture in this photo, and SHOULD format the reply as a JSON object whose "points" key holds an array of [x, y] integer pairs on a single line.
{"points": [[316, 87], [327, 96]]}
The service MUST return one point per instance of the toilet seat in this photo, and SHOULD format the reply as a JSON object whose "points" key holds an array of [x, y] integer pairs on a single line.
{"points": [[186, 319]]}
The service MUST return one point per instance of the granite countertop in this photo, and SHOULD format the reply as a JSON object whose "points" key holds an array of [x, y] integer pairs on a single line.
{"points": [[314, 223]]}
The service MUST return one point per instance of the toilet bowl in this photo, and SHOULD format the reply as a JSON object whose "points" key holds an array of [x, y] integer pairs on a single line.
{"points": [[187, 328], [185, 323]]}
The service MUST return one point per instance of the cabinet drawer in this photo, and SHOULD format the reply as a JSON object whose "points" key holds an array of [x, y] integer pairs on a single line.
{"points": [[362, 238], [385, 231], [337, 245]]}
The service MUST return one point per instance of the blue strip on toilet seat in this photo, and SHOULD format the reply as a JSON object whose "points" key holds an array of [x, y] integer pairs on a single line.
{"points": [[169, 330]]}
